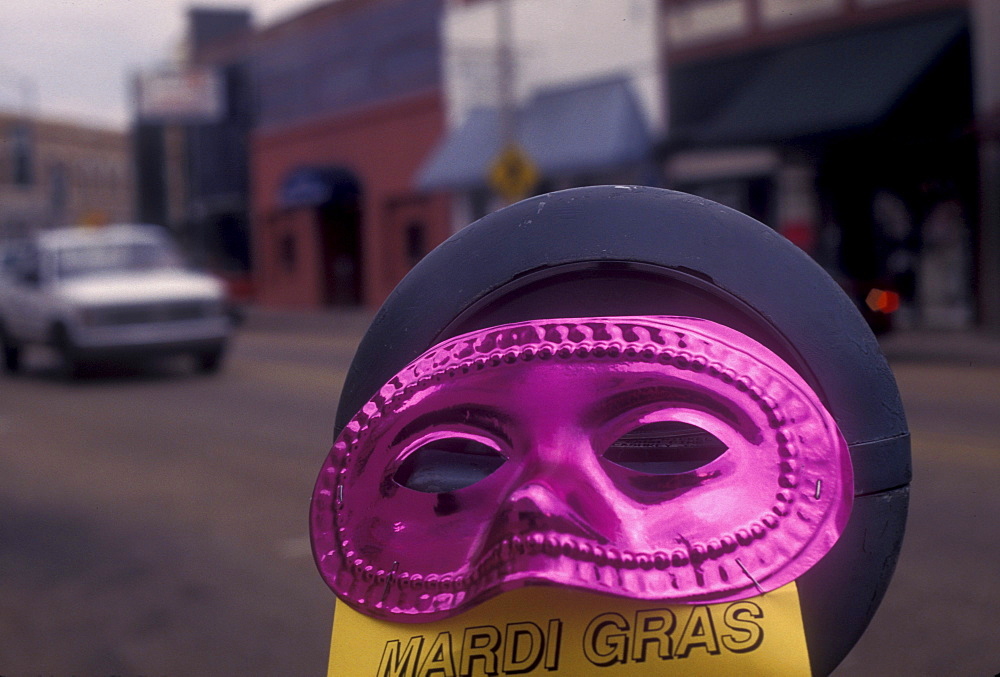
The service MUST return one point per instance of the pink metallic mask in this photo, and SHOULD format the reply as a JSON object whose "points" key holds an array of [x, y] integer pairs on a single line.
{"points": [[574, 453]]}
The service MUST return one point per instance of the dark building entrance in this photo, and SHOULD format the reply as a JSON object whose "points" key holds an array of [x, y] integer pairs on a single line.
{"points": [[339, 227], [880, 119], [903, 195], [327, 201]]}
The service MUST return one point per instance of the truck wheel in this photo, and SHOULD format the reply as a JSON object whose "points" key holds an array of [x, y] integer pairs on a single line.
{"points": [[11, 353], [209, 362], [71, 366]]}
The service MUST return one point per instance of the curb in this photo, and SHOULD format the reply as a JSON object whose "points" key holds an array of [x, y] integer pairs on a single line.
{"points": [[340, 321], [972, 347]]}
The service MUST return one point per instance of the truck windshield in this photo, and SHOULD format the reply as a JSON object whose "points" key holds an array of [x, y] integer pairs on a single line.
{"points": [[101, 259]]}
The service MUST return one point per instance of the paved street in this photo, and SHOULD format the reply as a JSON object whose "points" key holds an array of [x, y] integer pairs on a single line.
{"points": [[153, 522], [941, 615]]}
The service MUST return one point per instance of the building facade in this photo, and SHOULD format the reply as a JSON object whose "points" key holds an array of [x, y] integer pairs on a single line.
{"points": [[287, 153], [217, 148], [368, 130], [55, 173], [192, 131], [574, 84], [349, 105], [849, 126]]}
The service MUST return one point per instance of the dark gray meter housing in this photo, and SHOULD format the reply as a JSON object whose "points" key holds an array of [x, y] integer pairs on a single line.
{"points": [[623, 250]]}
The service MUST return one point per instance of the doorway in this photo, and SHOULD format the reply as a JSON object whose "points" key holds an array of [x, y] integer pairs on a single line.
{"points": [[339, 227], [332, 197]]}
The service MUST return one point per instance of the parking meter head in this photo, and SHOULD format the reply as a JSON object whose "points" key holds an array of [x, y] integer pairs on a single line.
{"points": [[663, 458], [629, 251]]}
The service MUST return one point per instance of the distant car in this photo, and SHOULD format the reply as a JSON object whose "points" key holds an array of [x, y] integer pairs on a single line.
{"points": [[109, 293]]}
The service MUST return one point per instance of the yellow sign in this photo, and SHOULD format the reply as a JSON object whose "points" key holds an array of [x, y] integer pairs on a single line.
{"points": [[513, 175], [94, 219], [558, 631]]}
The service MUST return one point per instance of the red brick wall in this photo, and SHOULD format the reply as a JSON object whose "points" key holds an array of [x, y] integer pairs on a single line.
{"points": [[279, 283], [384, 147]]}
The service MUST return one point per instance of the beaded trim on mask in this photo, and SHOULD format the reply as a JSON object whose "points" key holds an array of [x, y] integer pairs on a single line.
{"points": [[633, 339]]}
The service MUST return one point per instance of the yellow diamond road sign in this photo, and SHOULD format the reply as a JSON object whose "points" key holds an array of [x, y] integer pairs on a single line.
{"points": [[513, 174]]}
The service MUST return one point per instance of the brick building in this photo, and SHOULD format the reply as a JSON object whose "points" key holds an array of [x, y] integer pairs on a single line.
{"points": [[299, 166], [55, 173], [349, 104]]}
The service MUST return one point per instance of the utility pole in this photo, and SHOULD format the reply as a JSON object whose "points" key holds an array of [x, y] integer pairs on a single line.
{"points": [[512, 175], [505, 73]]}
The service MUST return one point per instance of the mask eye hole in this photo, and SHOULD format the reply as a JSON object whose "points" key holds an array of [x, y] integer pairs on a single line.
{"points": [[448, 464], [665, 448]]}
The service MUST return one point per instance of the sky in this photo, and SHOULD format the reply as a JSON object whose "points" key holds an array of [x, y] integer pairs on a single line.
{"points": [[73, 59]]}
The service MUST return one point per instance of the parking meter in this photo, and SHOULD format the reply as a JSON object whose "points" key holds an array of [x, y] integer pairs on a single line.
{"points": [[612, 428]]}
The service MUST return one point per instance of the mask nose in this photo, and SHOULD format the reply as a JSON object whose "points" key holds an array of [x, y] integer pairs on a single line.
{"points": [[536, 506], [533, 501], [557, 491]]}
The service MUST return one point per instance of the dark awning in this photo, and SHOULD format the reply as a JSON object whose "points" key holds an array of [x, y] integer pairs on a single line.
{"points": [[595, 127], [318, 186], [848, 81]]}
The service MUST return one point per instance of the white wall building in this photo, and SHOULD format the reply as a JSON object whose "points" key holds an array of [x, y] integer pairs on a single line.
{"points": [[554, 43], [580, 90]]}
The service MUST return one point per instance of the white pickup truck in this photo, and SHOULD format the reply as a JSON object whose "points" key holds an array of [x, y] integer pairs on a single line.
{"points": [[109, 293]]}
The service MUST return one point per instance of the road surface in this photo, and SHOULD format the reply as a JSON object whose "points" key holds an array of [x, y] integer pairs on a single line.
{"points": [[154, 522]]}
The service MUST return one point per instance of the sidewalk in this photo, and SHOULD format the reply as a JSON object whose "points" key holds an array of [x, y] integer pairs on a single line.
{"points": [[972, 347], [351, 321]]}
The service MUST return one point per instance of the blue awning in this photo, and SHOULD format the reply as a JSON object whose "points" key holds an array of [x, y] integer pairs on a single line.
{"points": [[847, 81], [566, 132], [318, 186]]}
